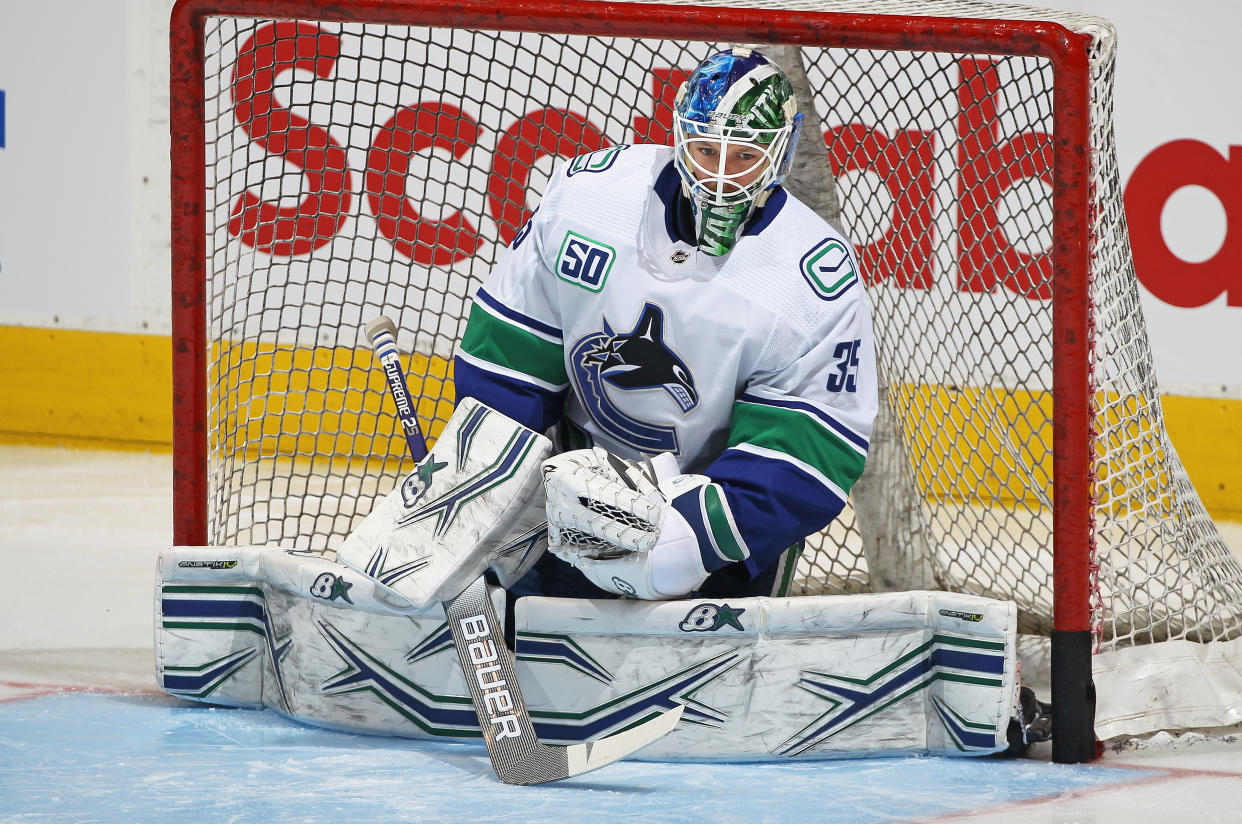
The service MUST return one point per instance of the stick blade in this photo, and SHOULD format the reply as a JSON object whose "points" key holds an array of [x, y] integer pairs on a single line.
{"points": [[517, 755], [595, 754], [539, 763]]}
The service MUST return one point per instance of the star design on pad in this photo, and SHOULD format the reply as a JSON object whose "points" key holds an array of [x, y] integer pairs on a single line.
{"points": [[340, 589], [727, 616], [428, 468]]}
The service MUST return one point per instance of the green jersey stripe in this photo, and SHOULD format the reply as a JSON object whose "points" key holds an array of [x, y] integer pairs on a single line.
{"points": [[721, 525], [797, 435], [492, 339]]}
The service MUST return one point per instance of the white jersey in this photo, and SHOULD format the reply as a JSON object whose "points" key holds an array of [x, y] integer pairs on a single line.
{"points": [[756, 368]]}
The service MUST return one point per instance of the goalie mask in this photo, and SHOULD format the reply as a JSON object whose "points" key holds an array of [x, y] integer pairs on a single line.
{"points": [[735, 130]]}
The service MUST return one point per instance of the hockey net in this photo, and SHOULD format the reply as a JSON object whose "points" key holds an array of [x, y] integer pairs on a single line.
{"points": [[330, 167]]}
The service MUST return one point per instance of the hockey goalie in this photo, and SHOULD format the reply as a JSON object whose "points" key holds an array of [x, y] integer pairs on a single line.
{"points": [[358, 643], [666, 383]]}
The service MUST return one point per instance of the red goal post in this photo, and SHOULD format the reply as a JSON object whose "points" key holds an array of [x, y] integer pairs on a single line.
{"points": [[277, 434]]}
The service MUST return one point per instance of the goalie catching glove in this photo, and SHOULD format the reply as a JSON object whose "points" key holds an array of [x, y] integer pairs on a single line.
{"points": [[613, 519]]}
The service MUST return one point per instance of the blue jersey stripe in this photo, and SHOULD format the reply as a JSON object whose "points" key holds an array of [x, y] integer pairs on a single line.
{"points": [[517, 317], [774, 503], [532, 406], [690, 506]]}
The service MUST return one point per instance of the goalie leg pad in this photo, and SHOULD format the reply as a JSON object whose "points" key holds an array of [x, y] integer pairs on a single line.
{"points": [[761, 678], [775, 678], [259, 626], [475, 501]]}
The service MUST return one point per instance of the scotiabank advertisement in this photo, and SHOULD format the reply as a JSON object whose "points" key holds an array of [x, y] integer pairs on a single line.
{"points": [[1179, 145], [66, 131], [70, 198]]}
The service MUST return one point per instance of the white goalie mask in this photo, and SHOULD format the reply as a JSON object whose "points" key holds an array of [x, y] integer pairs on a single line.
{"points": [[735, 131]]}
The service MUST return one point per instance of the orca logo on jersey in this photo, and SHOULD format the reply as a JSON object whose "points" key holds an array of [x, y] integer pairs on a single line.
{"points": [[640, 359], [633, 361]]}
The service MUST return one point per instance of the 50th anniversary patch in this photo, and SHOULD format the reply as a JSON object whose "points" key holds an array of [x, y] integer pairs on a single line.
{"points": [[584, 262]]}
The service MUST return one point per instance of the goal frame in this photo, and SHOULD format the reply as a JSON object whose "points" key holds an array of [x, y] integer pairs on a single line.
{"points": [[1067, 54]]}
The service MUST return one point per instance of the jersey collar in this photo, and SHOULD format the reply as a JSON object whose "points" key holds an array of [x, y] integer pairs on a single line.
{"points": [[679, 220]]}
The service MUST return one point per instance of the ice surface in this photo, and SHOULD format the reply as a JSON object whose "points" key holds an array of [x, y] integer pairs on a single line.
{"points": [[125, 759], [79, 533]]}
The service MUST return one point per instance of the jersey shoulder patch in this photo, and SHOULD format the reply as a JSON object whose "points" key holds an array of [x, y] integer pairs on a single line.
{"points": [[829, 268], [525, 230], [584, 261], [594, 162]]}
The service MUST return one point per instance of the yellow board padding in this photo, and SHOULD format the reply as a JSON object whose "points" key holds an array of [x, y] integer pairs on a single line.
{"points": [[333, 402], [75, 387], [981, 445], [114, 391], [976, 444], [1207, 434]]}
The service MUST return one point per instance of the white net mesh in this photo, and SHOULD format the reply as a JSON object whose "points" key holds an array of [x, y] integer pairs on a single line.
{"points": [[358, 169]]}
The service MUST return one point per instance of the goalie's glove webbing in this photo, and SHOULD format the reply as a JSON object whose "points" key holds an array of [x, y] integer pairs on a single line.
{"points": [[613, 519]]}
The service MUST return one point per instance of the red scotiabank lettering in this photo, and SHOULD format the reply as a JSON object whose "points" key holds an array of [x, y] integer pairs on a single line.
{"points": [[540, 133], [1160, 174], [664, 86], [288, 230], [411, 130], [986, 168], [903, 256]]}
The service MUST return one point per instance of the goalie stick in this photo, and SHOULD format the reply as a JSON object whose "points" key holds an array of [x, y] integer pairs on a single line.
{"points": [[383, 335], [516, 753]]}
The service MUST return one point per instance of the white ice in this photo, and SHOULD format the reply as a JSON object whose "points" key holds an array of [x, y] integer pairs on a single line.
{"points": [[85, 735]]}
